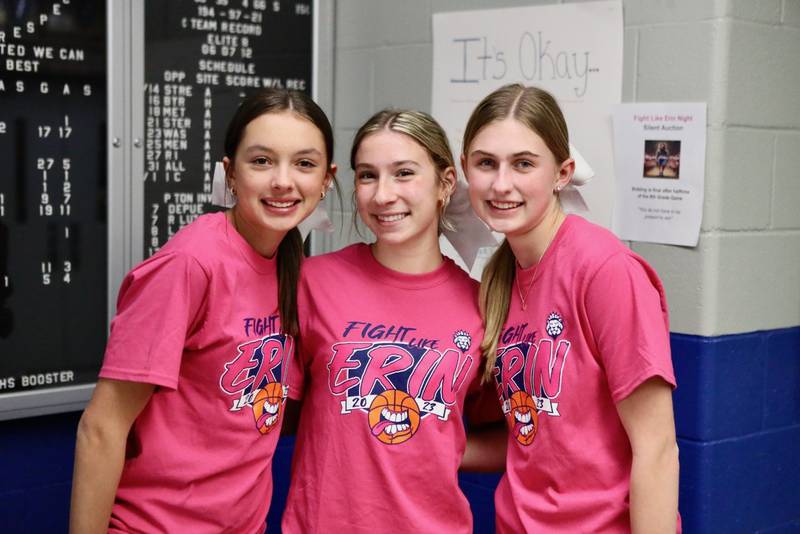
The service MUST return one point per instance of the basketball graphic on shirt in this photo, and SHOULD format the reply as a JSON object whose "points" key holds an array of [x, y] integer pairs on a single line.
{"points": [[394, 416], [267, 406], [524, 419]]}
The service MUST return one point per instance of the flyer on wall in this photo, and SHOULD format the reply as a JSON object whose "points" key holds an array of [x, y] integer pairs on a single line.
{"points": [[574, 51], [659, 157]]}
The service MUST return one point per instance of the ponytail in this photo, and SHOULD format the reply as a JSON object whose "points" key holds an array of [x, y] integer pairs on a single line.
{"points": [[494, 299], [289, 257]]}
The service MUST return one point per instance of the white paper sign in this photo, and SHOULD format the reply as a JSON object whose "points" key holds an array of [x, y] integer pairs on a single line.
{"points": [[660, 154], [574, 51]]}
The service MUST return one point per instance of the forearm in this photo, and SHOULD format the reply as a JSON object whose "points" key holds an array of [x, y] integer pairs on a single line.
{"points": [[485, 451], [99, 458], [654, 491]]}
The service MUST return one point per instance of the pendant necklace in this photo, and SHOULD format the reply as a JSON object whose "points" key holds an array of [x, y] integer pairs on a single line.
{"points": [[522, 296]]}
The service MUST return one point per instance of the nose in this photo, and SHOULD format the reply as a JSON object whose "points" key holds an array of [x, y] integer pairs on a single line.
{"points": [[501, 184], [281, 180], [384, 191]]}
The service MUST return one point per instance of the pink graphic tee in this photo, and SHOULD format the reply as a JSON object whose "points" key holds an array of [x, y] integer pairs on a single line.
{"points": [[199, 319], [386, 363], [595, 327]]}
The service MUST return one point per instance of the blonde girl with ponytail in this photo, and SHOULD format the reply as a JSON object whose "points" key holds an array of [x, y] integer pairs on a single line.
{"points": [[576, 338]]}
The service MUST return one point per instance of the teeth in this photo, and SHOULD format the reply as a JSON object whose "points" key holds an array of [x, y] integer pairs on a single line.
{"points": [[270, 421], [505, 205], [394, 429], [391, 218], [271, 408], [395, 417], [522, 418], [525, 430], [277, 204]]}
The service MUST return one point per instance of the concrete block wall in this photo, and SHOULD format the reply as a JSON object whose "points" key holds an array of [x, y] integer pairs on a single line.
{"points": [[736, 55], [739, 57], [735, 298], [738, 292]]}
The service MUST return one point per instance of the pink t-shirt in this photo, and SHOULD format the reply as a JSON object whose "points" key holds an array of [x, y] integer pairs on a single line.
{"points": [[387, 361], [595, 327], [199, 319]]}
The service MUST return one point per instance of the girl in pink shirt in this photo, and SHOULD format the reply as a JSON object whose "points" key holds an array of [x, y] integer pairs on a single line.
{"points": [[577, 338], [388, 356], [181, 429]]}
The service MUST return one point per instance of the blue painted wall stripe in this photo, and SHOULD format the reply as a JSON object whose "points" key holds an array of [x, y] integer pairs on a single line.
{"points": [[737, 412]]}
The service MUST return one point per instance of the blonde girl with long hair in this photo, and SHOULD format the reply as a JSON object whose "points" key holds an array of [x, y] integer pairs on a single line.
{"points": [[577, 338], [389, 358]]}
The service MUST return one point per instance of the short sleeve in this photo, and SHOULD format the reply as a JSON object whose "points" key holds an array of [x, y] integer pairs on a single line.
{"points": [[159, 305], [627, 315]]}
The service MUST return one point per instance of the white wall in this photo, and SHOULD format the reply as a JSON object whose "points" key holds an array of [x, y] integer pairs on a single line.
{"points": [[739, 56]]}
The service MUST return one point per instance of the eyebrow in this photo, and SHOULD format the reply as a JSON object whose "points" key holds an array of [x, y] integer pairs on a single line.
{"points": [[304, 152], [258, 148], [309, 151], [404, 162], [514, 155], [400, 163]]}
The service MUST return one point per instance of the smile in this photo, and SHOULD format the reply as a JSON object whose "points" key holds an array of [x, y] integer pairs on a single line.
{"points": [[281, 204], [394, 217], [504, 205]]}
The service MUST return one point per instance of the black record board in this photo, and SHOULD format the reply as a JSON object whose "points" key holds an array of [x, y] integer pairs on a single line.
{"points": [[201, 58], [53, 183]]}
